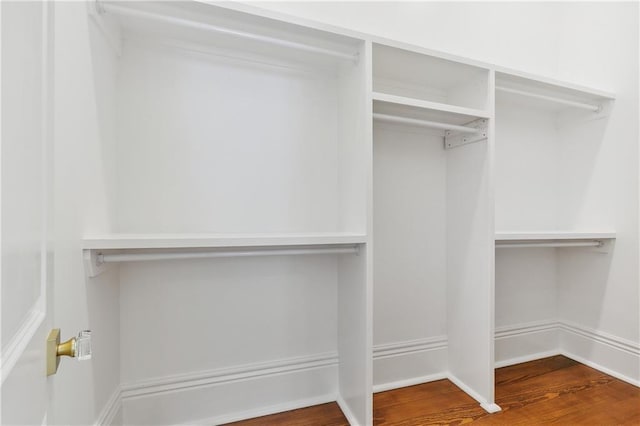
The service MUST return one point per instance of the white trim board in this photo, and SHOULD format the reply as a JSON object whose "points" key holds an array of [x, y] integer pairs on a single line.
{"points": [[383, 387], [21, 339], [615, 355], [610, 354], [227, 375], [616, 342], [543, 338], [110, 410], [408, 363], [409, 346], [232, 393], [351, 418], [263, 411], [489, 407]]}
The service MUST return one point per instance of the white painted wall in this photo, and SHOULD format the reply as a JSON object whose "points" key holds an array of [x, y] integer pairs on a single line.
{"points": [[410, 260], [224, 128], [410, 230], [83, 149], [226, 312]]}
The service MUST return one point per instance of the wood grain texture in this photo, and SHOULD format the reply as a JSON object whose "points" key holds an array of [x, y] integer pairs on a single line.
{"points": [[555, 390], [318, 415]]}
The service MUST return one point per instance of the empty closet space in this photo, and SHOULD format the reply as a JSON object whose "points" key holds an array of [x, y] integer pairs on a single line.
{"points": [[431, 219], [224, 125], [239, 213], [554, 229]]}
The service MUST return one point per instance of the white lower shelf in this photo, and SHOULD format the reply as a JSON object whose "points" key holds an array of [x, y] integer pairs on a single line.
{"points": [[553, 239], [163, 241], [102, 250]]}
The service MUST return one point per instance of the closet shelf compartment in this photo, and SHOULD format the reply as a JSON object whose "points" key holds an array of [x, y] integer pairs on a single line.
{"points": [[550, 94], [413, 105], [552, 239], [459, 125], [101, 250], [222, 28]]}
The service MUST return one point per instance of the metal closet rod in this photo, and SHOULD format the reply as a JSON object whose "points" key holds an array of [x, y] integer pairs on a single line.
{"points": [[550, 244], [424, 123], [139, 257], [126, 11], [582, 105]]}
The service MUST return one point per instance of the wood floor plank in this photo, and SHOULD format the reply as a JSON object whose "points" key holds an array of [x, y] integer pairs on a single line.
{"points": [[554, 390], [318, 415]]}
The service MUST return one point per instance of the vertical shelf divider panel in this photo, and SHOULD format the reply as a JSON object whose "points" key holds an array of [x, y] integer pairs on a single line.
{"points": [[470, 272], [354, 281]]}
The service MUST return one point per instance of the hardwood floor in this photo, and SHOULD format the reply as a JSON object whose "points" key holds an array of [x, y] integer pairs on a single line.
{"points": [[318, 415], [554, 390]]}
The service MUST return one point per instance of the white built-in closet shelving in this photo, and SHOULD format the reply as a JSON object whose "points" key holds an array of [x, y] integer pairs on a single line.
{"points": [[242, 140], [238, 136]]}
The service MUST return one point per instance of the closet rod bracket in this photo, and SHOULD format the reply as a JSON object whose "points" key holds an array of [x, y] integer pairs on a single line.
{"points": [[453, 139], [92, 263]]}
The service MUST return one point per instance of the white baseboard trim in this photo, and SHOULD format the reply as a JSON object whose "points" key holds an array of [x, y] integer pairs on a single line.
{"points": [[262, 411], [599, 367], [527, 358], [409, 347], [419, 352], [407, 363], [383, 387], [602, 351], [236, 393], [351, 418], [489, 407], [14, 348], [110, 409], [607, 339], [227, 375], [525, 329]]}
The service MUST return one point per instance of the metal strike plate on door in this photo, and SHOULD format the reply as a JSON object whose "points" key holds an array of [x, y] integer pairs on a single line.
{"points": [[76, 347]]}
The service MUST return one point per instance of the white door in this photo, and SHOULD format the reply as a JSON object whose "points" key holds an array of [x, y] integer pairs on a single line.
{"points": [[25, 123]]}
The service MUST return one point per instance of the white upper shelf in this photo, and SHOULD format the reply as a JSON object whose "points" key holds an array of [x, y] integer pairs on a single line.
{"points": [[186, 241], [423, 113], [551, 94], [201, 24]]}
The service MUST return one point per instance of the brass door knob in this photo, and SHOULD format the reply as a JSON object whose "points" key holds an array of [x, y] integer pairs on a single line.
{"points": [[76, 347]]}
